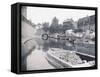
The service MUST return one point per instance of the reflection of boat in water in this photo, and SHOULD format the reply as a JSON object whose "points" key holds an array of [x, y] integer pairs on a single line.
{"points": [[69, 59]]}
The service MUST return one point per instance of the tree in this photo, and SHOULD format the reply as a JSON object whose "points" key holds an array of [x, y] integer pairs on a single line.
{"points": [[54, 22], [54, 25], [45, 26]]}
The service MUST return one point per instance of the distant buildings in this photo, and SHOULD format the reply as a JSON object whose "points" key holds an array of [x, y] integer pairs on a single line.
{"points": [[69, 24], [87, 23]]}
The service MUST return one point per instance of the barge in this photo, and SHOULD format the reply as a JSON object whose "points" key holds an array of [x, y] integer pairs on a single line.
{"points": [[61, 58]]}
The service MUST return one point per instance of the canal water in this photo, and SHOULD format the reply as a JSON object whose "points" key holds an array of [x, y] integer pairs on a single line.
{"points": [[35, 60]]}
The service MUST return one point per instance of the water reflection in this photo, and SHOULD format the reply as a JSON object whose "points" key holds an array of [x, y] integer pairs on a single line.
{"points": [[68, 44]]}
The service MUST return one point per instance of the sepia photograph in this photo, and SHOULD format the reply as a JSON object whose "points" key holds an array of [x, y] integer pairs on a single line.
{"points": [[57, 38]]}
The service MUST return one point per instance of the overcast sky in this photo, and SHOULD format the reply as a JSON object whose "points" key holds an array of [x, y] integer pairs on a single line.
{"points": [[40, 14]]}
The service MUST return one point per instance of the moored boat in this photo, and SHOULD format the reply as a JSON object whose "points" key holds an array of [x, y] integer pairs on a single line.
{"points": [[61, 58]]}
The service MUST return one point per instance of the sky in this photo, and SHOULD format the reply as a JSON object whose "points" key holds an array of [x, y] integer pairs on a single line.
{"points": [[41, 14]]}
